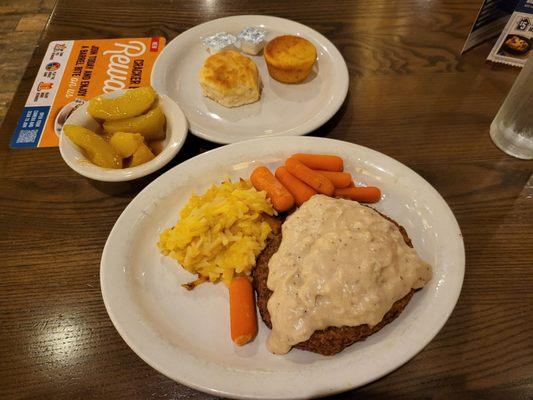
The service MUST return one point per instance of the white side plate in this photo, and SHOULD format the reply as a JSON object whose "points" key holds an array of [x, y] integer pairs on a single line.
{"points": [[282, 110], [185, 335]]}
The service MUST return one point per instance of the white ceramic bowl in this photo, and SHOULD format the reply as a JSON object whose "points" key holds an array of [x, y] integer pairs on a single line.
{"points": [[176, 132]]}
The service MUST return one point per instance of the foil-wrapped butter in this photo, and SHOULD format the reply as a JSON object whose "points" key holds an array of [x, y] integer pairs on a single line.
{"points": [[252, 40], [221, 41]]}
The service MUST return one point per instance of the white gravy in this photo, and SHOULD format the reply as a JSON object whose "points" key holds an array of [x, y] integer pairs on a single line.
{"points": [[339, 264]]}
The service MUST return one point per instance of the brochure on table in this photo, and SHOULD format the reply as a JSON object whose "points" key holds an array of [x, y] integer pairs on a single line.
{"points": [[513, 21], [514, 44], [74, 71]]}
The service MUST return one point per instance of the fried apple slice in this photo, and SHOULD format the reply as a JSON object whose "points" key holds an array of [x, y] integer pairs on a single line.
{"points": [[126, 143], [132, 103], [97, 150], [142, 154], [150, 125]]}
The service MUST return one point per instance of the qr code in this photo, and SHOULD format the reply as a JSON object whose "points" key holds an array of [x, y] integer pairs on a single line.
{"points": [[27, 136]]}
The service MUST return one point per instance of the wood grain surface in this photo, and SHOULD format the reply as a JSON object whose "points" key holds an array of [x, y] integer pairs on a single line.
{"points": [[412, 96], [21, 24]]}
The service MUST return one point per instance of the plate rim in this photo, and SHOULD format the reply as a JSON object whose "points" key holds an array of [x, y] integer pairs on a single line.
{"points": [[337, 58], [460, 271]]}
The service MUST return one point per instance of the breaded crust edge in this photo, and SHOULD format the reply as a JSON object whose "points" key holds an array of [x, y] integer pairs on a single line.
{"points": [[331, 340]]}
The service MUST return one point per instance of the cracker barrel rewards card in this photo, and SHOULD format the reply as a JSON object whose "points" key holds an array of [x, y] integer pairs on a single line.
{"points": [[72, 72]]}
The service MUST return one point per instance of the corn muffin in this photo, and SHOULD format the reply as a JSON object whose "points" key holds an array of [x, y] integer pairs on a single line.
{"points": [[289, 58]]}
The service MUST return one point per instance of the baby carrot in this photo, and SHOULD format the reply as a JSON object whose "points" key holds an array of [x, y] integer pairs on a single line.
{"points": [[339, 179], [321, 161], [281, 198], [364, 194], [298, 189], [351, 184], [318, 182], [243, 319]]}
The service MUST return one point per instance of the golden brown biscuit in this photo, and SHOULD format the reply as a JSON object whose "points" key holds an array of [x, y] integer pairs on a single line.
{"points": [[289, 58], [230, 79]]}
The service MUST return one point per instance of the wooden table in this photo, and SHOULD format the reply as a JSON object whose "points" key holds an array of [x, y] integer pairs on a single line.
{"points": [[411, 96]]}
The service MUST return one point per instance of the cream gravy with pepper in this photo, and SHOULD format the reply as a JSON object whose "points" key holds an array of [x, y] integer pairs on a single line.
{"points": [[339, 264]]}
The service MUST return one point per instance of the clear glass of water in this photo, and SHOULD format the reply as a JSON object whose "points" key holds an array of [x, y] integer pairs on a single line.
{"points": [[512, 128]]}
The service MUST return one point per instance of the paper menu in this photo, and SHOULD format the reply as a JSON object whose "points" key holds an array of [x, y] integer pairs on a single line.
{"points": [[74, 71], [514, 44], [491, 18]]}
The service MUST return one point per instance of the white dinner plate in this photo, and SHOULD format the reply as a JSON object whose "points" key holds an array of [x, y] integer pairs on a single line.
{"points": [[282, 110], [185, 335]]}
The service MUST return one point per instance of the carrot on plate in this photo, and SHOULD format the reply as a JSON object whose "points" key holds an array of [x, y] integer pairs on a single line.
{"points": [[243, 318], [339, 179], [281, 198], [364, 194], [323, 162], [318, 182], [300, 191]]}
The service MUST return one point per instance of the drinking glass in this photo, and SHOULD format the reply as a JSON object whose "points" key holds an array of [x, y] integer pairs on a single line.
{"points": [[512, 128]]}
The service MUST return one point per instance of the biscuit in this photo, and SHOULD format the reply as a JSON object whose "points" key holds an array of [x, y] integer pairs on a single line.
{"points": [[230, 79]]}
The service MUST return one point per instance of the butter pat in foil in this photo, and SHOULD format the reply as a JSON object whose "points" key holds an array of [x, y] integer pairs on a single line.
{"points": [[252, 40], [221, 41]]}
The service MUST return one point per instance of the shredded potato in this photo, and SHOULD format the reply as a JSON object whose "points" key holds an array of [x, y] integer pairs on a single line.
{"points": [[220, 233]]}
